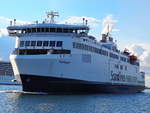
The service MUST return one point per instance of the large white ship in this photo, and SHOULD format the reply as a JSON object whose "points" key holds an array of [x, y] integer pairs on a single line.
{"points": [[51, 57]]}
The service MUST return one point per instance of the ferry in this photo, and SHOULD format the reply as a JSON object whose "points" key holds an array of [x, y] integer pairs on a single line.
{"points": [[64, 58]]}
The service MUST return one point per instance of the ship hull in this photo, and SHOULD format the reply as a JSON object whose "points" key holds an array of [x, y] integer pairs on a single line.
{"points": [[33, 83]]}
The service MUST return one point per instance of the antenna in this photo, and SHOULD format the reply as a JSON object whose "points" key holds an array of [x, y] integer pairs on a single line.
{"points": [[83, 20], [50, 16], [11, 22], [107, 29], [86, 22], [14, 21]]}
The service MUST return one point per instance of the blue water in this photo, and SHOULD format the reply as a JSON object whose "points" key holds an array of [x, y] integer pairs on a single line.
{"points": [[13, 100]]}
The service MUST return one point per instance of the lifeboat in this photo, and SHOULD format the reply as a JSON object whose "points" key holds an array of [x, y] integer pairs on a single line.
{"points": [[133, 58]]}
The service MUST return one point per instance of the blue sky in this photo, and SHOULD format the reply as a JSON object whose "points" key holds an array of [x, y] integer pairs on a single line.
{"points": [[132, 16]]}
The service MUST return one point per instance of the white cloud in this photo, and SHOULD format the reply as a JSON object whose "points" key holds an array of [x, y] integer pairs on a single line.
{"points": [[6, 21], [143, 52], [137, 49], [1, 59], [3, 32], [94, 23], [79, 20], [109, 20]]}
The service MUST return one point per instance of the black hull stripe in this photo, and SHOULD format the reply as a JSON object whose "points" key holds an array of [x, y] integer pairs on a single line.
{"points": [[32, 83]]}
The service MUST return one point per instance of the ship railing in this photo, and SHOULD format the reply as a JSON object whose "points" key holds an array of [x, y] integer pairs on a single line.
{"points": [[15, 22], [22, 23]]}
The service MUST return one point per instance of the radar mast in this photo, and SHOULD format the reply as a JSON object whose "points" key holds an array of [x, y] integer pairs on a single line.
{"points": [[50, 17]]}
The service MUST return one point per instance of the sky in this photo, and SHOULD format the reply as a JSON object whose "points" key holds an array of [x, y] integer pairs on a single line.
{"points": [[130, 19]]}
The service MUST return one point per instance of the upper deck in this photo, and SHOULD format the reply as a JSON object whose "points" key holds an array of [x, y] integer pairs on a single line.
{"points": [[47, 26], [19, 30]]}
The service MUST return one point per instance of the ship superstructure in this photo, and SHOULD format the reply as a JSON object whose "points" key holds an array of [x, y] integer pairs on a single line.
{"points": [[51, 57]]}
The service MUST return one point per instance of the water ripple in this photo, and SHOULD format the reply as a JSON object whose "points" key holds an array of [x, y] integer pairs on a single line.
{"points": [[13, 100]]}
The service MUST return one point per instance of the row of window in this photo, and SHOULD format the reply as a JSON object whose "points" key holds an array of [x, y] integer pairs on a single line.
{"points": [[123, 59], [89, 48], [41, 43], [43, 51], [97, 50], [121, 67], [57, 30], [113, 56]]}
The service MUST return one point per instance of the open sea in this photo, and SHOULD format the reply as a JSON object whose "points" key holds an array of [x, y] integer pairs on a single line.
{"points": [[13, 100]]}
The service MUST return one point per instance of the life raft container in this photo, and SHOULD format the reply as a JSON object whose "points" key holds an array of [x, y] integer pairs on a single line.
{"points": [[133, 58]]}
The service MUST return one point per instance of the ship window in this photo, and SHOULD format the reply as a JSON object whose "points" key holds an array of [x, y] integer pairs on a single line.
{"points": [[59, 30], [33, 43], [121, 67], [59, 43], [43, 29], [52, 29], [33, 30], [113, 56], [21, 43], [123, 59], [38, 30], [26, 31], [86, 47], [56, 51], [103, 52], [45, 43], [90, 48], [137, 63], [136, 70], [23, 31], [27, 43], [78, 45], [72, 30], [39, 43], [116, 66], [65, 30], [29, 30], [47, 29], [32, 51], [52, 43], [74, 45], [126, 68]]}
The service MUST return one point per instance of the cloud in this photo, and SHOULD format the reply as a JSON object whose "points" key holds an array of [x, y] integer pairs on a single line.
{"points": [[94, 23], [146, 58], [1, 59], [79, 20], [143, 52], [137, 49], [3, 32], [6, 21], [109, 20]]}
